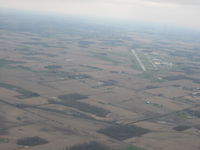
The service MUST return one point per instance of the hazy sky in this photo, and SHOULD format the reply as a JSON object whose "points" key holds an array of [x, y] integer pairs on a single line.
{"points": [[178, 12]]}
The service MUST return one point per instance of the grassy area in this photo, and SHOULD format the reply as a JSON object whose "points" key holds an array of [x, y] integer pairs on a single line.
{"points": [[132, 148], [23, 49], [24, 68], [158, 105], [53, 67], [2, 140], [150, 76], [113, 42], [181, 99], [119, 54], [6, 63], [183, 114], [106, 58]]}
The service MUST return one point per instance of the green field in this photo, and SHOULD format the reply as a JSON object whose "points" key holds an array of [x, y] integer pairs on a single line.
{"points": [[2, 140], [133, 148]]}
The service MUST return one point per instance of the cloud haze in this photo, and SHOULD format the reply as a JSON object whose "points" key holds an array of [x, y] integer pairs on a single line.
{"points": [[176, 12]]}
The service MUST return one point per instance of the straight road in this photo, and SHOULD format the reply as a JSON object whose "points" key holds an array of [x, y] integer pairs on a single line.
{"points": [[138, 60]]}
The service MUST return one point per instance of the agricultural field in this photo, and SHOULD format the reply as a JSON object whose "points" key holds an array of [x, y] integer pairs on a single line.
{"points": [[65, 85]]}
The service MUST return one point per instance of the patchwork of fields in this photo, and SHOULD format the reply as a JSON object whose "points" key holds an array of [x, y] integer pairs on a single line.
{"points": [[77, 88]]}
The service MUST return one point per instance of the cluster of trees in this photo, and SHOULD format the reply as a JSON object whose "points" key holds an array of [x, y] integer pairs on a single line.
{"points": [[89, 146], [31, 141]]}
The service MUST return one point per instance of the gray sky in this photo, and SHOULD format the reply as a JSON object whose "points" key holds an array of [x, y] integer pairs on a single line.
{"points": [[176, 12]]}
